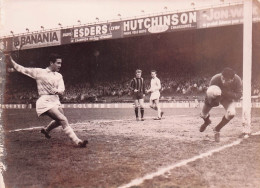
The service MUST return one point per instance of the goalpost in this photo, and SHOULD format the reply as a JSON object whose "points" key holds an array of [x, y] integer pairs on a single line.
{"points": [[247, 66]]}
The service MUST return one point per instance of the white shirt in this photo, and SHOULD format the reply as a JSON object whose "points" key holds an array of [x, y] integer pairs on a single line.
{"points": [[48, 82], [155, 84]]}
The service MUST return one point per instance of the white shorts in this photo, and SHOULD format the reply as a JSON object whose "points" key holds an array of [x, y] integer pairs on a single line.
{"points": [[47, 102], [155, 95]]}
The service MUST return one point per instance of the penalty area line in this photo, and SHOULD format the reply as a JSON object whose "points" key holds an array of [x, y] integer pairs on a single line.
{"points": [[161, 171], [36, 128], [256, 133], [93, 121], [25, 129]]}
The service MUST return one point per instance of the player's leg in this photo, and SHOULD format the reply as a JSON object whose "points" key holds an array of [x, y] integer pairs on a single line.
{"points": [[58, 115], [205, 116], [211, 100], [141, 102], [159, 111], [208, 105], [230, 114], [152, 104], [136, 109], [52, 125]]}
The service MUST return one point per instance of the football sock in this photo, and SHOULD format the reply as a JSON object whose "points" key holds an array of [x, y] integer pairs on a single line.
{"points": [[223, 122], [53, 124], [159, 112], [204, 116], [142, 112], [70, 133], [136, 112]]}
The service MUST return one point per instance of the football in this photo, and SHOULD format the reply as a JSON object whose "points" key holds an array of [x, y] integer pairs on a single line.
{"points": [[213, 91]]}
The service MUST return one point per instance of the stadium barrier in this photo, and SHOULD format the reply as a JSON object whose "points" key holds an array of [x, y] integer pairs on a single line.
{"points": [[183, 104], [15, 106]]}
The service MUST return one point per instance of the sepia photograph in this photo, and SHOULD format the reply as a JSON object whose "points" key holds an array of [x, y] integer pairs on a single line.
{"points": [[130, 93]]}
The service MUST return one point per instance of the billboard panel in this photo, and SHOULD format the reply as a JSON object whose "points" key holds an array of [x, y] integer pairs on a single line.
{"points": [[37, 40], [6, 44], [160, 24], [93, 32], [222, 16], [66, 35]]}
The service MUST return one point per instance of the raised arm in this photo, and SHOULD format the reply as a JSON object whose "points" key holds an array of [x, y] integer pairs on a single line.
{"points": [[31, 72]]}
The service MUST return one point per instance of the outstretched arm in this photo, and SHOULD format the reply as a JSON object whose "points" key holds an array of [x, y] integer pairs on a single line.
{"points": [[31, 72]]}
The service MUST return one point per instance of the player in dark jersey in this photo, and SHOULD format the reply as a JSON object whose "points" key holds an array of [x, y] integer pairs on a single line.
{"points": [[137, 86], [231, 90]]}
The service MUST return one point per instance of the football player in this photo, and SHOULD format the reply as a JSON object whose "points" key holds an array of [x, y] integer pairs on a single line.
{"points": [[155, 94], [50, 85], [230, 85], [137, 86]]}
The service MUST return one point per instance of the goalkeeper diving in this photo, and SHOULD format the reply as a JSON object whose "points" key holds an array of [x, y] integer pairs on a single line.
{"points": [[224, 88]]}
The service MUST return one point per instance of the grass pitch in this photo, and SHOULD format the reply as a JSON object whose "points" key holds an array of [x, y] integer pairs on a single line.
{"points": [[121, 149]]}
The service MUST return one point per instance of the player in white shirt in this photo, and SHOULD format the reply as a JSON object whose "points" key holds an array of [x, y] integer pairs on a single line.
{"points": [[155, 94], [50, 85]]}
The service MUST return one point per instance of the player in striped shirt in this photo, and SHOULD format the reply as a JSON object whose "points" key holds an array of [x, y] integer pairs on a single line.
{"points": [[50, 85], [137, 86]]}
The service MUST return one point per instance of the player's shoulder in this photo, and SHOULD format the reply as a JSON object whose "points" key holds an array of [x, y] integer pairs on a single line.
{"points": [[238, 79], [59, 74], [38, 70], [216, 76], [216, 80]]}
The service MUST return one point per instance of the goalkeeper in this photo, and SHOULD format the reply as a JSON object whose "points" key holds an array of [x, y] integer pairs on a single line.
{"points": [[225, 88]]}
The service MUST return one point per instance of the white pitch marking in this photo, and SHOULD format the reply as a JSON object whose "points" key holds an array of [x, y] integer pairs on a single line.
{"points": [[36, 128], [2, 167], [162, 171], [95, 121], [256, 133], [25, 129]]}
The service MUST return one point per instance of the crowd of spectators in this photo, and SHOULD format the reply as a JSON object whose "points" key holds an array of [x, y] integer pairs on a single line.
{"points": [[182, 87], [120, 90], [100, 91], [256, 88]]}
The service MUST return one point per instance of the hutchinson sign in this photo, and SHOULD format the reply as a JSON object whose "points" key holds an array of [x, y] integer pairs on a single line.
{"points": [[159, 24]]}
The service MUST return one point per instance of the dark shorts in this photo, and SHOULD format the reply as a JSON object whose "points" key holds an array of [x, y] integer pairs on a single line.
{"points": [[138, 95]]}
